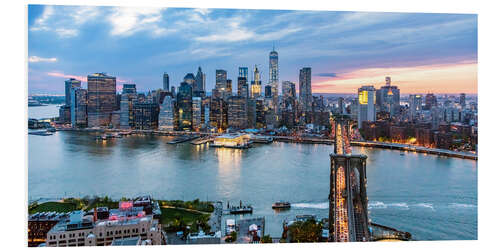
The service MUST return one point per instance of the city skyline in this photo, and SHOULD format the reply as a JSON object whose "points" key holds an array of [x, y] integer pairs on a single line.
{"points": [[356, 52]]}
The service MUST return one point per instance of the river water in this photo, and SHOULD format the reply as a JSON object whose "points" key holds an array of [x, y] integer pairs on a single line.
{"points": [[432, 197]]}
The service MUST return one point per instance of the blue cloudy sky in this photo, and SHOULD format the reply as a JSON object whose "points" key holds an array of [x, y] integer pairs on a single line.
{"points": [[421, 52]]}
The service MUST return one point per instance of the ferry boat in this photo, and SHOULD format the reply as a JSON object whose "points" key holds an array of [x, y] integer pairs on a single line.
{"points": [[281, 205], [240, 209]]}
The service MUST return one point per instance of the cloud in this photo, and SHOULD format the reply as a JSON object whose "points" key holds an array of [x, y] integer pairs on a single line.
{"points": [[126, 21], [326, 74], [62, 75], [65, 21], [36, 59], [80, 78]]}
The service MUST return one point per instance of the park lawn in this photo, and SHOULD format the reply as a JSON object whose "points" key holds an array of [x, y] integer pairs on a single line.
{"points": [[54, 207], [168, 215], [203, 206]]}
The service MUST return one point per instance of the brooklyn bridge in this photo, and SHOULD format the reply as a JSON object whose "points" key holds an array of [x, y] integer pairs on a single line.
{"points": [[348, 211]]}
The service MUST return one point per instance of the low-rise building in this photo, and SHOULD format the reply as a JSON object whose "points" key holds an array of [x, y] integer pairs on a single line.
{"points": [[102, 228]]}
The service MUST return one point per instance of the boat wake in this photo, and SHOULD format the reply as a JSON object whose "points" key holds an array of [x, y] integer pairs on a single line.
{"points": [[382, 205], [321, 205]]}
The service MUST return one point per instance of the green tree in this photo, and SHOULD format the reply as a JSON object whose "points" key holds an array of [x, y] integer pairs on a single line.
{"points": [[266, 239], [307, 231]]}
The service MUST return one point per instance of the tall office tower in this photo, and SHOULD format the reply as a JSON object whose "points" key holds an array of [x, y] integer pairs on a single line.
{"points": [[268, 92], [129, 89], [190, 79], [388, 98], [166, 82], [341, 105], [220, 79], [101, 99], [145, 115], [166, 116], [218, 113], [305, 92], [197, 114], [78, 107], [366, 107], [126, 111], [172, 90], [65, 114], [288, 89], [243, 72], [462, 100], [415, 105], [237, 112], [274, 76], [199, 85], [185, 106], [68, 84], [251, 113], [256, 89], [288, 103], [430, 101], [229, 87], [260, 113], [242, 87]]}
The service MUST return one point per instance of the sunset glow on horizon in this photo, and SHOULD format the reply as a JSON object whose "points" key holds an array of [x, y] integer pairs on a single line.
{"points": [[438, 79]]}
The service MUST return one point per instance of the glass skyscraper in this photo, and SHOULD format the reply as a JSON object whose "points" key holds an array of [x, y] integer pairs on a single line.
{"points": [[101, 99]]}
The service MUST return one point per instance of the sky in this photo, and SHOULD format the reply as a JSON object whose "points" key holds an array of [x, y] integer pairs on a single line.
{"points": [[422, 53]]}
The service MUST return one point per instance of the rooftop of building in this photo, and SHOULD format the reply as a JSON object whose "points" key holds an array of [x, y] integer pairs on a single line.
{"points": [[132, 241]]}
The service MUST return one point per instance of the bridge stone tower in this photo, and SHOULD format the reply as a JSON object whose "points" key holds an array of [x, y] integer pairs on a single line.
{"points": [[348, 210]]}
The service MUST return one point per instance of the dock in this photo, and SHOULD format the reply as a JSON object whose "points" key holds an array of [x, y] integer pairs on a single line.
{"points": [[182, 138], [202, 140], [41, 133]]}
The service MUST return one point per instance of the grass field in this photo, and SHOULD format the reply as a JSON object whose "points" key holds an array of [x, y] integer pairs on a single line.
{"points": [[53, 207], [174, 219]]}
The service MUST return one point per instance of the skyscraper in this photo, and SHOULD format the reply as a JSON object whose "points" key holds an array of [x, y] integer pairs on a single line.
{"points": [[388, 98], [274, 76], [199, 86], [190, 79], [218, 113], [462, 100], [237, 113], [185, 106], [288, 89], [78, 107], [243, 72], [197, 113], [145, 115], [166, 116], [166, 82], [68, 84], [430, 101], [256, 89], [366, 107], [126, 110], [129, 88], [101, 99], [220, 82], [415, 105], [242, 87], [305, 92]]}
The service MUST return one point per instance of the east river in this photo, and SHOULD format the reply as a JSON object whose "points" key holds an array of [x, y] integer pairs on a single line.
{"points": [[432, 197]]}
